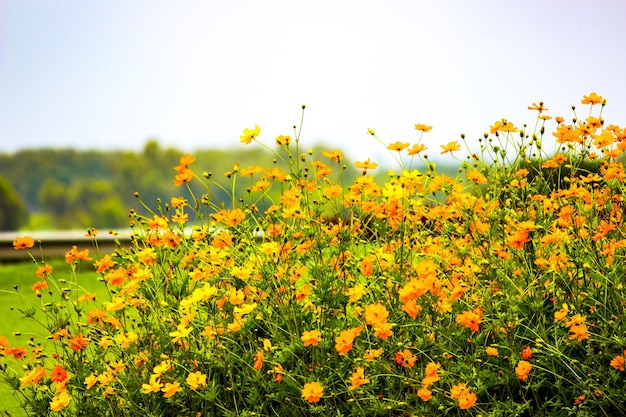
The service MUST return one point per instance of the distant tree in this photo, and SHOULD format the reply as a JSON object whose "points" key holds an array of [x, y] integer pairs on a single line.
{"points": [[53, 197], [95, 203], [13, 212]]}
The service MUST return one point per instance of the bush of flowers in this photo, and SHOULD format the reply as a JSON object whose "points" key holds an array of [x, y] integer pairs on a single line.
{"points": [[496, 293]]}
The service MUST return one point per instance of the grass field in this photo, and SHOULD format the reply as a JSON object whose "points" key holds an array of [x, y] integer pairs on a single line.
{"points": [[22, 276]]}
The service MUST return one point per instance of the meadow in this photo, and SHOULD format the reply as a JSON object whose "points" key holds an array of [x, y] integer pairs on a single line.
{"points": [[16, 280], [497, 292]]}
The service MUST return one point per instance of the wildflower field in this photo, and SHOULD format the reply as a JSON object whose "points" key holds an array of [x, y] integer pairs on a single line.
{"points": [[496, 293]]}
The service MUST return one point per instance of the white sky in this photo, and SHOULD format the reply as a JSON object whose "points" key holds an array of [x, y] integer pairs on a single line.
{"points": [[193, 74]]}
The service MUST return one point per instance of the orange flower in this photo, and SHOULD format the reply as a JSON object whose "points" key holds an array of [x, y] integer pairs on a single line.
{"points": [[78, 342], [405, 359], [470, 319], [258, 360], [376, 314], [23, 242], [312, 392], [430, 374], [523, 369], [491, 351], [425, 394], [450, 147], [518, 240], [467, 400], [539, 107], [343, 342], [18, 352], [619, 362], [503, 126], [183, 177], [383, 330], [335, 155], [561, 314], [592, 98], [74, 254], [463, 395], [39, 285], [185, 161], [278, 372], [103, 264], [58, 374], [5, 346], [579, 332], [411, 308], [476, 177], [527, 353], [358, 378], [311, 338], [43, 271]]}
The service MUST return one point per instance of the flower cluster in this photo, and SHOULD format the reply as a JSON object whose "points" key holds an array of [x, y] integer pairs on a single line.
{"points": [[497, 291]]}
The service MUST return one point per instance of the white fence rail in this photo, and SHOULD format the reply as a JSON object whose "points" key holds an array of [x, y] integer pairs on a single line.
{"points": [[56, 243]]}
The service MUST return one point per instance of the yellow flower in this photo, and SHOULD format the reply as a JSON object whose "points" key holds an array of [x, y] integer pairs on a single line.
{"points": [[164, 366], [249, 134], [422, 127], [355, 293], [283, 140], [335, 155], [398, 146], [180, 333], [196, 380], [312, 392], [372, 354], [450, 147], [415, 149], [311, 338], [367, 164], [358, 378], [33, 377], [155, 385], [170, 389], [592, 98], [60, 401]]}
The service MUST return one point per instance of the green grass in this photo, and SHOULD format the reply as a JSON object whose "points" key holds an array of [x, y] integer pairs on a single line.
{"points": [[18, 329]]}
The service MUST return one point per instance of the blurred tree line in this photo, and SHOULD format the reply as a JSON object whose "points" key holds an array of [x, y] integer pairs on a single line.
{"points": [[72, 189], [67, 188]]}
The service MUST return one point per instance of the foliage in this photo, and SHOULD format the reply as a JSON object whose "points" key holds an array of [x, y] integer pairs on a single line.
{"points": [[12, 208], [493, 293], [70, 189]]}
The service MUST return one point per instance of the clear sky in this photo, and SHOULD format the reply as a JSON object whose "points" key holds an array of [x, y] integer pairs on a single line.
{"points": [[193, 74]]}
